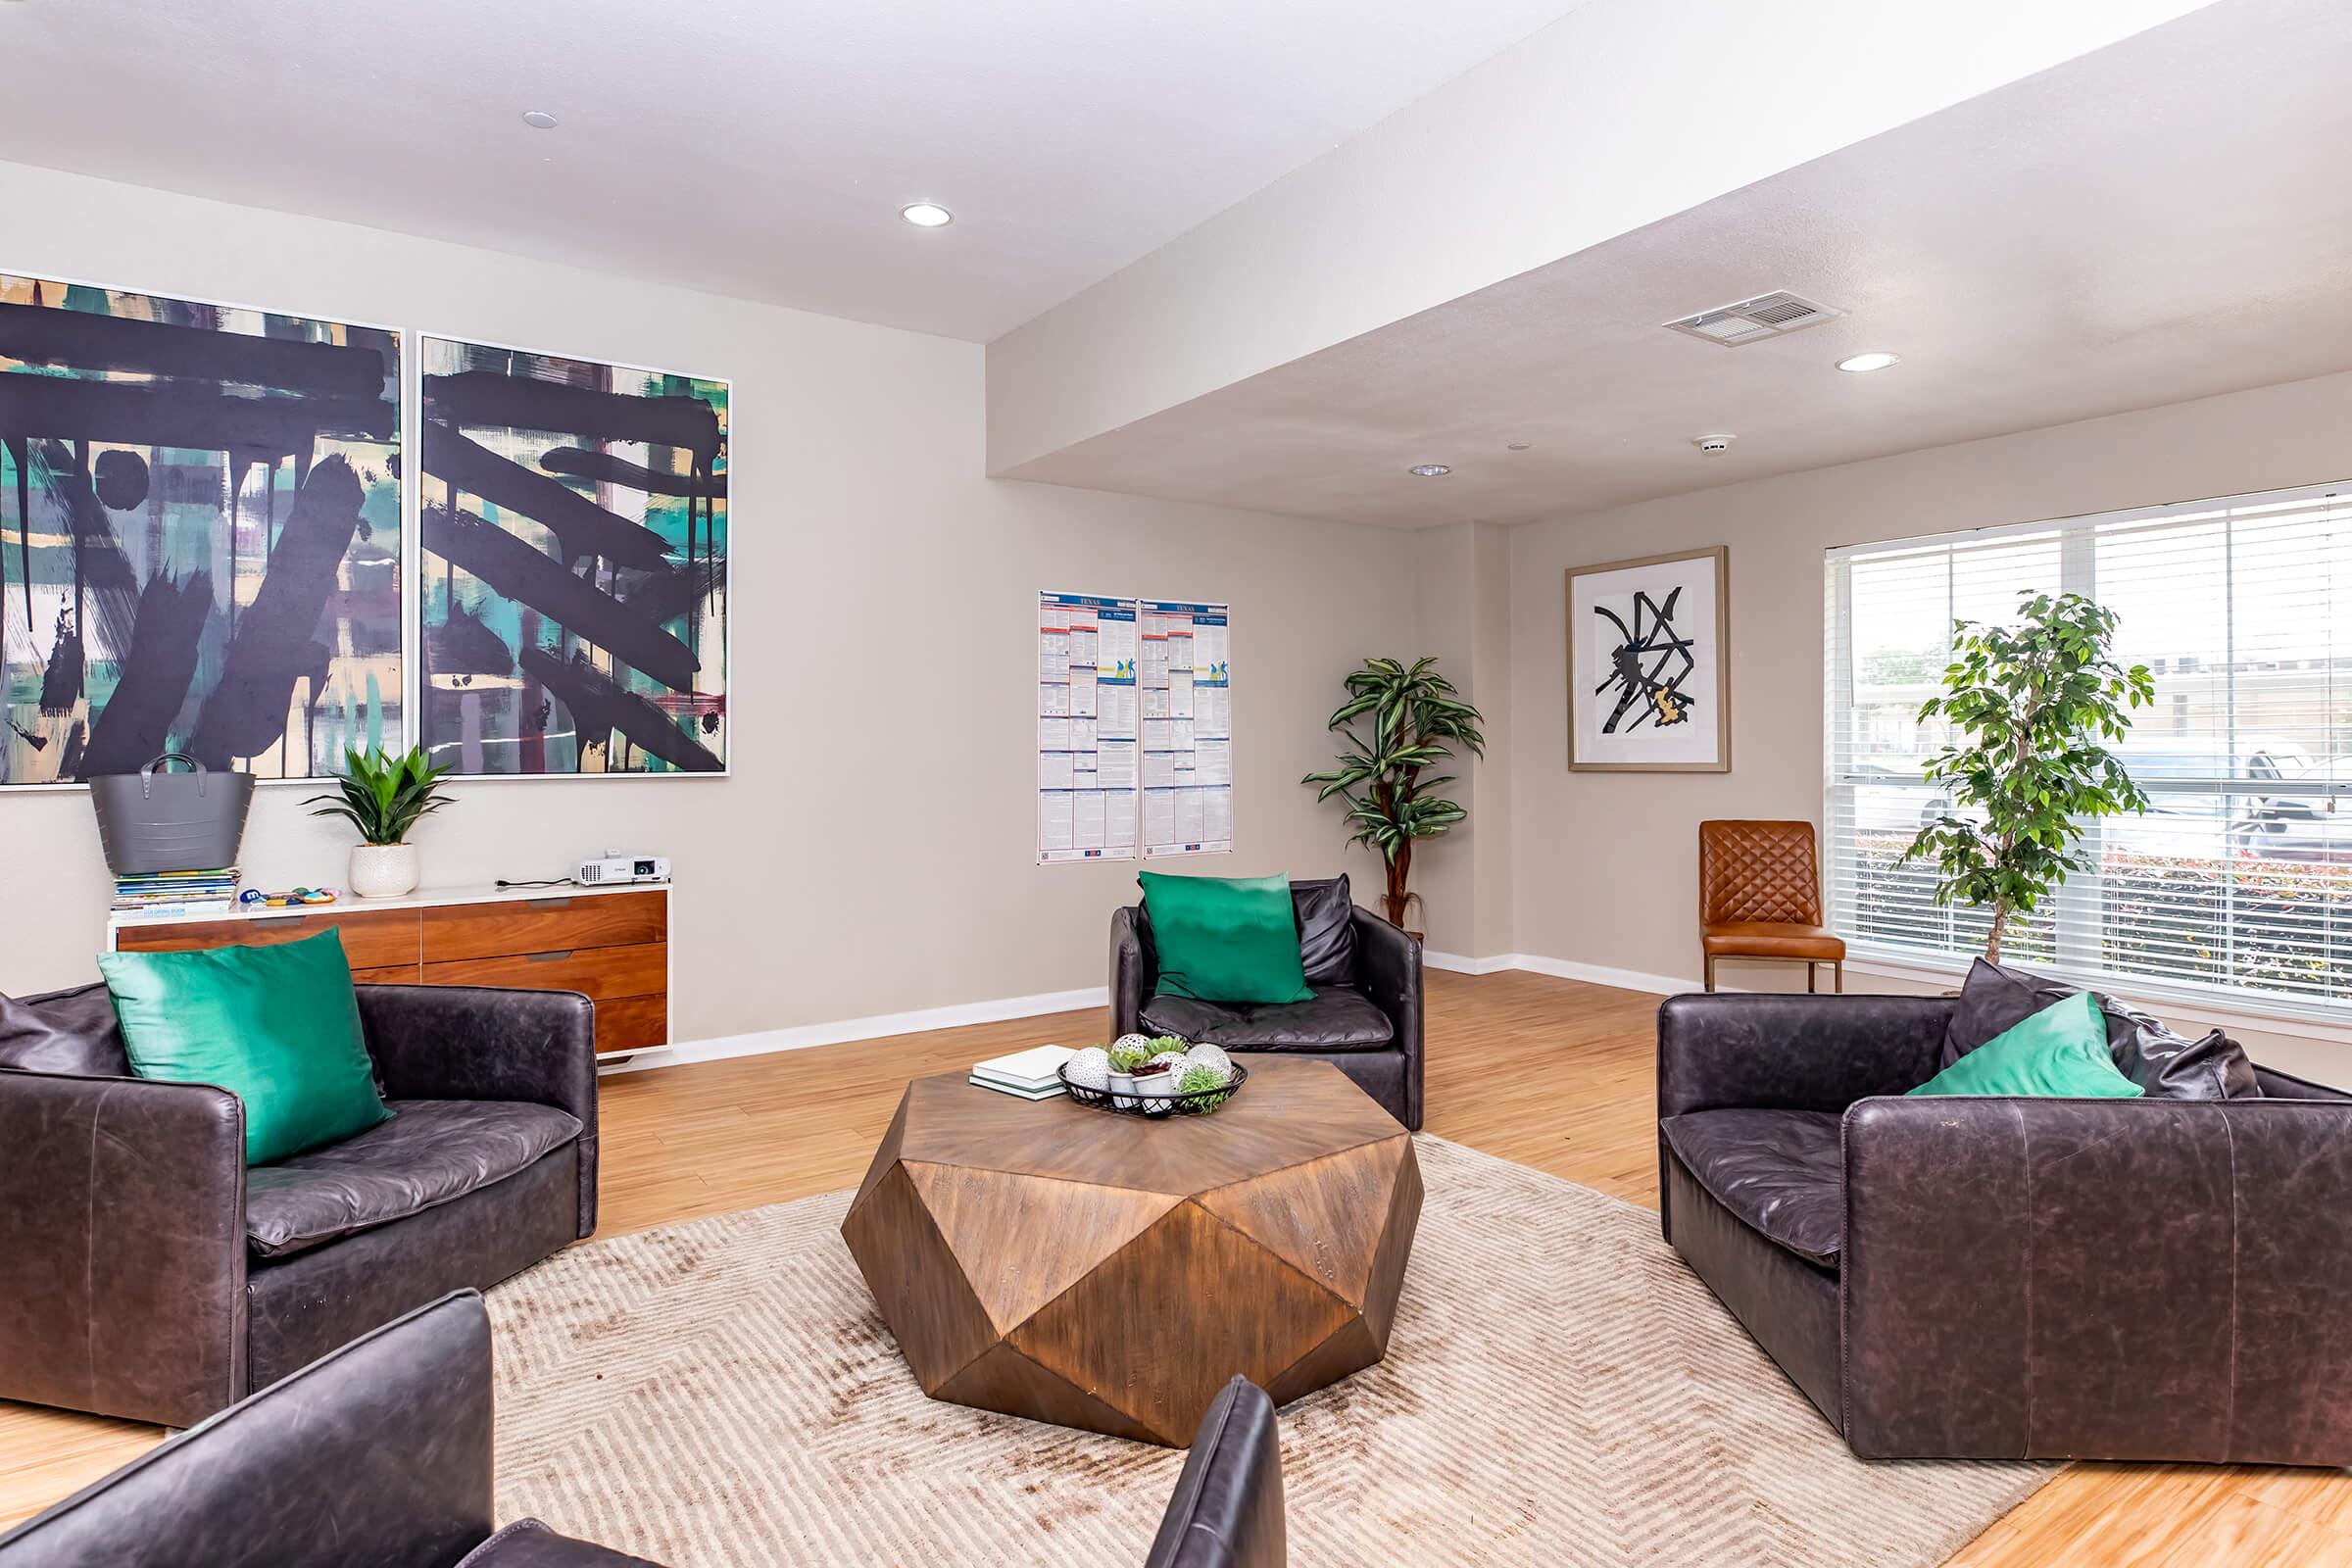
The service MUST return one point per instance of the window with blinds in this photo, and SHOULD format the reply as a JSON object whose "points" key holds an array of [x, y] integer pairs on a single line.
{"points": [[2238, 882]]}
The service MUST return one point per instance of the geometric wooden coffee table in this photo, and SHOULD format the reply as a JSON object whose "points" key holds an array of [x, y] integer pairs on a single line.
{"points": [[1112, 1272]]}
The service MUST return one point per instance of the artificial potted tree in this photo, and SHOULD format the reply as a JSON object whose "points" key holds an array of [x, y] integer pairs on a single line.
{"points": [[2029, 707], [384, 797], [1414, 719]]}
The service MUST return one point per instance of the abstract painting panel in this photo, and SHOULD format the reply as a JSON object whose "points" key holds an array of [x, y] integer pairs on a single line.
{"points": [[574, 532], [200, 550], [1649, 685]]}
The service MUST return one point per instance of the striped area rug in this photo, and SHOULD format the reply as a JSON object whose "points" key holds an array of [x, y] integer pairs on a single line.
{"points": [[1559, 1390]]}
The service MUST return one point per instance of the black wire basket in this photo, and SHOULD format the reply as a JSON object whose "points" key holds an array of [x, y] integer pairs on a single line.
{"points": [[1133, 1102]]}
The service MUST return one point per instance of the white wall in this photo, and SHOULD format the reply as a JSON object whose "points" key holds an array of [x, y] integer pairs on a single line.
{"points": [[874, 852], [1607, 863]]}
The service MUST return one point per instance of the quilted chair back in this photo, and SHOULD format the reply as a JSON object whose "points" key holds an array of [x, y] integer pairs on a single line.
{"points": [[1758, 871]]}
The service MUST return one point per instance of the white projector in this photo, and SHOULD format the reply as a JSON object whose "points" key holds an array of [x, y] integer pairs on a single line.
{"points": [[614, 868]]}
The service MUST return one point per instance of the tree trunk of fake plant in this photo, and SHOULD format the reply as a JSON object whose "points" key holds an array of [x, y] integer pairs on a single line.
{"points": [[1401, 871], [2000, 923]]}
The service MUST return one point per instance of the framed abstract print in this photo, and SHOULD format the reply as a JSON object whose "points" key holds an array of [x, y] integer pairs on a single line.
{"points": [[1650, 680]]}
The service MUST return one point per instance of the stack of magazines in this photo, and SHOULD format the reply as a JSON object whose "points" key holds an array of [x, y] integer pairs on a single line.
{"points": [[1026, 1074], [178, 893]]}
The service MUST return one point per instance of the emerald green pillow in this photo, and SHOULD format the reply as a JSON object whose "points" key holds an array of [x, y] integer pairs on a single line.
{"points": [[278, 1026], [2059, 1051], [1225, 938]]}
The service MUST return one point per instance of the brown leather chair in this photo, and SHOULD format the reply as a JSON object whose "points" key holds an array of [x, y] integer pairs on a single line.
{"points": [[1759, 897]]}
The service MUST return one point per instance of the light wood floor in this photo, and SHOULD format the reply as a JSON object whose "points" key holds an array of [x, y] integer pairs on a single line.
{"points": [[1551, 1073]]}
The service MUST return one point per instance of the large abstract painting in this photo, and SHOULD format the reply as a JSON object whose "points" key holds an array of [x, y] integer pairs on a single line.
{"points": [[1649, 686], [199, 535], [574, 530]]}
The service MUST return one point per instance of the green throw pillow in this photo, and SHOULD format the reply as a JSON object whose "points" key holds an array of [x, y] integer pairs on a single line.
{"points": [[278, 1026], [2059, 1051], [1225, 938]]}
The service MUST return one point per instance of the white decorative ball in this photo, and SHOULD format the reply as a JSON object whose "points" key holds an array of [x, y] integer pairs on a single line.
{"points": [[1174, 1059], [1206, 1055], [1090, 1068], [1131, 1042]]}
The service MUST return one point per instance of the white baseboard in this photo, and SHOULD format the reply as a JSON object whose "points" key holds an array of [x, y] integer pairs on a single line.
{"points": [[1456, 963], [800, 1037], [1663, 985]]}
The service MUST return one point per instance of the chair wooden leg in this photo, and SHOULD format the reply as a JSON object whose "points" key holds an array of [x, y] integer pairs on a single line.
{"points": [[1812, 978], [1711, 971], [1838, 972]]}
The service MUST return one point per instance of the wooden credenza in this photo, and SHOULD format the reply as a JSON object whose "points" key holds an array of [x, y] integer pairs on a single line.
{"points": [[609, 944]]}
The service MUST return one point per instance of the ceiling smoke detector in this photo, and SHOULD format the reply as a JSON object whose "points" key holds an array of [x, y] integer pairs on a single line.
{"points": [[1430, 470], [1713, 443], [1774, 315]]}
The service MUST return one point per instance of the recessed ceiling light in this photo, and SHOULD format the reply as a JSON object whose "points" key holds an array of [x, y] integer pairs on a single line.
{"points": [[539, 120], [1430, 470], [1876, 360], [1515, 446], [927, 215]]}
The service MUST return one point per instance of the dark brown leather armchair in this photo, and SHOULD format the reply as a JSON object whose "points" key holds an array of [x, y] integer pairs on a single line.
{"points": [[1944, 1277], [1365, 1018], [1227, 1511], [146, 1272], [377, 1456], [1759, 897]]}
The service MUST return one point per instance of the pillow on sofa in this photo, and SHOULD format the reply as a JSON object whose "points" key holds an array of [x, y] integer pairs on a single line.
{"points": [[1225, 938], [70, 1032], [276, 1026], [1325, 931], [2166, 1066], [2060, 1051]]}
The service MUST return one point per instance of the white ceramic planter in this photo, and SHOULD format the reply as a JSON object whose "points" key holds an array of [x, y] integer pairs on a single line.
{"points": [[384, 871], [1122, 1091], [1157, 1093]]}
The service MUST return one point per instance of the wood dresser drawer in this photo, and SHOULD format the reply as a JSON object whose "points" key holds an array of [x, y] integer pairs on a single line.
{"points": [[557, 923], [372, 939], [599, 973], [398, 974], [632, 1024]]}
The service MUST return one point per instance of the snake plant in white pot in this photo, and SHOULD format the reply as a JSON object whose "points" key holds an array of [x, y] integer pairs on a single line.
{"points": [[384, 797]]}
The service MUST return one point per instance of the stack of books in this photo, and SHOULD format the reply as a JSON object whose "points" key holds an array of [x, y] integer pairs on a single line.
{"points": [[178, 893], [1025, 1074]]}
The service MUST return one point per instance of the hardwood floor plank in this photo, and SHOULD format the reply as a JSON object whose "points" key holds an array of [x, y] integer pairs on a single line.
{"points": [[1550, 1073]]}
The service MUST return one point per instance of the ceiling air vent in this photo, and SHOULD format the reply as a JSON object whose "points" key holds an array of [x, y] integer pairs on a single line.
{"points": [[1773, 315]]}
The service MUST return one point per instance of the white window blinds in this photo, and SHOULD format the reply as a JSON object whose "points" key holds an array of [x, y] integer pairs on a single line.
{"points": [[2237, 883]]}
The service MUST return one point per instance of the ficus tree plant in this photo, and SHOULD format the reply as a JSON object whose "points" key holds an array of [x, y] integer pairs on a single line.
{"points": [[1398, 721], [383, 796], [2030, 707]]}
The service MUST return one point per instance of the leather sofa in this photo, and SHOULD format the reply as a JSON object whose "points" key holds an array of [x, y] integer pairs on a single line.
{"points": [[2150, 1279], [146, 1272], [377, 1456], [1227, 1510], [1365, 1018]]}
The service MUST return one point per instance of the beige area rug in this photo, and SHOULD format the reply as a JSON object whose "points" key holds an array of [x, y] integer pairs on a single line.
{"points": [[1559, 1390]]}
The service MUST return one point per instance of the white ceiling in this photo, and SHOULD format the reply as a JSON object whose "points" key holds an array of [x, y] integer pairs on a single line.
{"points": [[2164, 218], [749, 147]]}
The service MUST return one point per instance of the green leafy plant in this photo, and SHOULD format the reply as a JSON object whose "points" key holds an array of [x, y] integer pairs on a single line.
{"points": [[1126, 1059], [383, 796], [1202, 1079], [2030, 706], [1397, 720]]}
